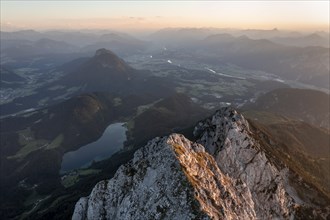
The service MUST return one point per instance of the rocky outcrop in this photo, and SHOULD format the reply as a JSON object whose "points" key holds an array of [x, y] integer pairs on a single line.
{"points": [[225, 175], [227, 137], [151, 186]]}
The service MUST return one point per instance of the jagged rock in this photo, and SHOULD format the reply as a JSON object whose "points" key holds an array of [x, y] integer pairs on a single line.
{"points": [[226, 135], [226, 175], [151, 186], [170, 178]]}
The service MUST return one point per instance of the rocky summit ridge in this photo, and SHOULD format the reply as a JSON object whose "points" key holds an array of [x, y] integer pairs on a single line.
{"points": [[225, 174]]}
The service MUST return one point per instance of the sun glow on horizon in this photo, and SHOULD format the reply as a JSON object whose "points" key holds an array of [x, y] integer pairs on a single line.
{"points": [[146, 15]]}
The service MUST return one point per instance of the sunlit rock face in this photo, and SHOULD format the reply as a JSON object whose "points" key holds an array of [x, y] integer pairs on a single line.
{"points": [[225, 174], [151, 186]]}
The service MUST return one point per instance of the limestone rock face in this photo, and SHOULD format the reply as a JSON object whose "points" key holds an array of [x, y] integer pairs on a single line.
{"points": [[224, 175], [227, 137], [151, 186]]}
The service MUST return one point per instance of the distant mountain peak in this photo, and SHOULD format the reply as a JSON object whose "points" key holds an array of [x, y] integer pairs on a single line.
{"points": [[103, 51], [105, 71], [243, 37], [314, 36], [109, 59]]}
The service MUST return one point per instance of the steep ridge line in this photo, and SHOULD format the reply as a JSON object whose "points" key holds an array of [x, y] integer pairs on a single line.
{"points": [[226, 175]]}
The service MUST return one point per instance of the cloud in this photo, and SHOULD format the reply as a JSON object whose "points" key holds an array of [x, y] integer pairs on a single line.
{"points": [[137, 18]]}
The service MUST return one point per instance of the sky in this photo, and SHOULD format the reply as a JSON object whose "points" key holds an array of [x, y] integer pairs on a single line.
{"points": [[152, 15]]}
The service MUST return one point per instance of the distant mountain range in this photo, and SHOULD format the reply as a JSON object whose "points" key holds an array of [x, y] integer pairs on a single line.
{"points": [[291, 63], [303, 41], [289, 55], [18, 44], [183, 36], [23, 48], [295, 57], [76, 38]]}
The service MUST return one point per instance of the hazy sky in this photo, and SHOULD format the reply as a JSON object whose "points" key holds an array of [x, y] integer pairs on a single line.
{"points": [[311, 15]]}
